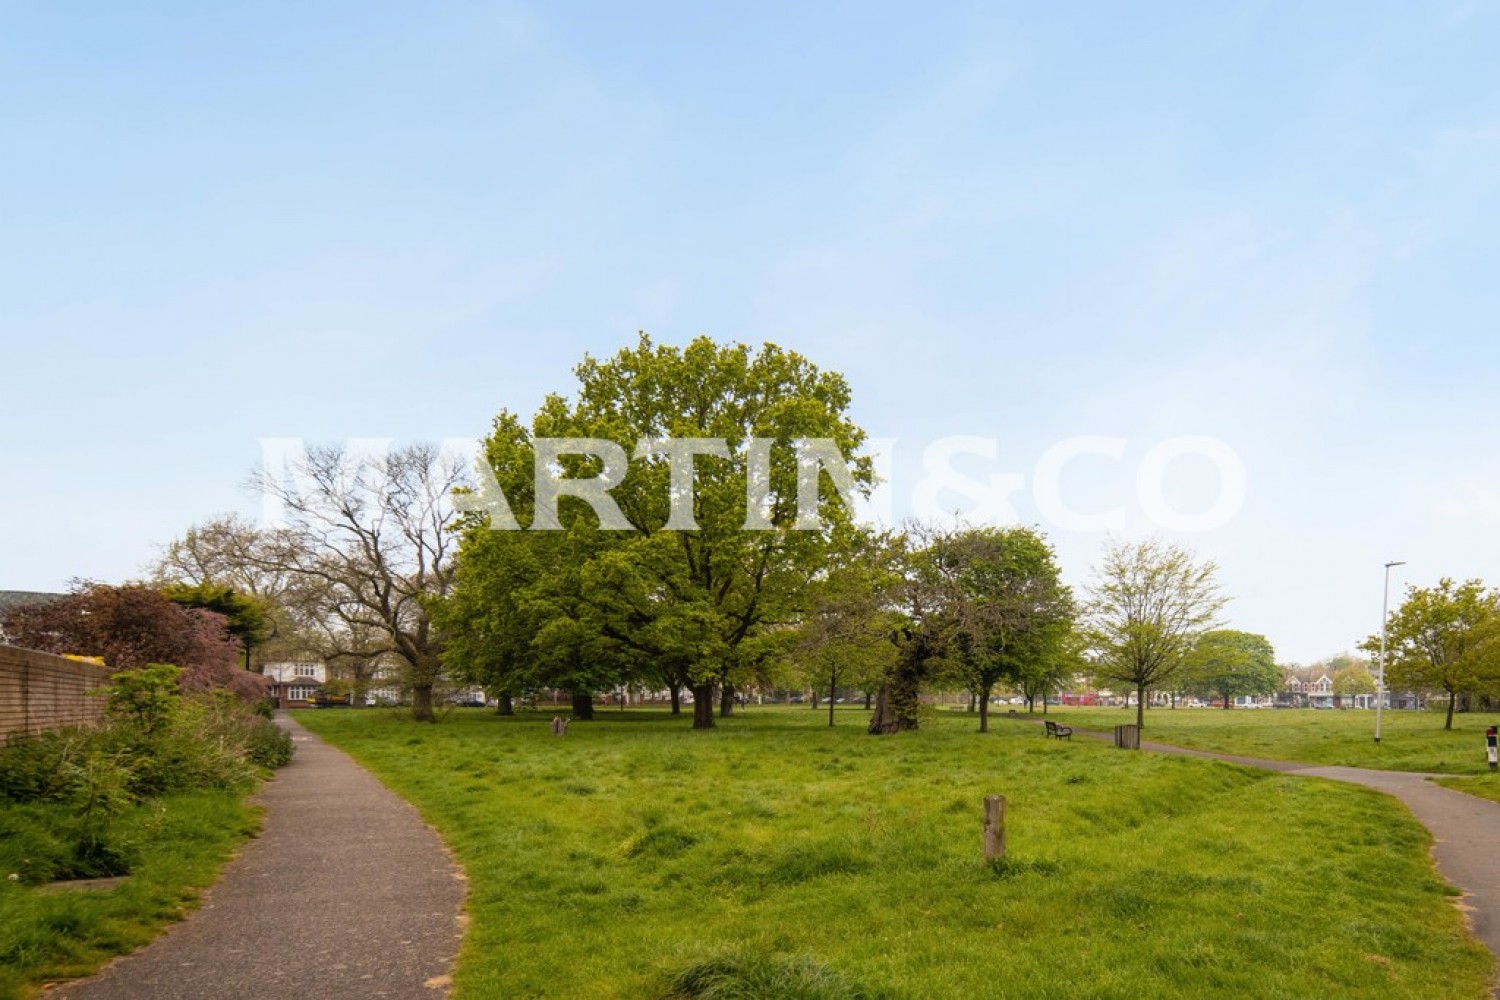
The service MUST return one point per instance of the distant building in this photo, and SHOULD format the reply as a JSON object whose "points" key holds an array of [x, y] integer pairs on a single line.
{"points": [[296, 683]]}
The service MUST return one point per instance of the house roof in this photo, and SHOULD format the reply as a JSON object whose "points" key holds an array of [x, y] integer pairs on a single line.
{"points": [[10, 599]]}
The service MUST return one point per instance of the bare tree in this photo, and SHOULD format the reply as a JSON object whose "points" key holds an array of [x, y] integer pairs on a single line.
{"points": [[367, 542], [1150, 603]]}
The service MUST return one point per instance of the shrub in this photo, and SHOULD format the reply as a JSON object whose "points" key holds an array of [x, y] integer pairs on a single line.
{"points": [[269, 745], [148, 695], [66, 790]]}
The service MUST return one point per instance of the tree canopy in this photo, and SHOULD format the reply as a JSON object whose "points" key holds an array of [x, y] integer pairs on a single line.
{"points": [[1227, 664], [1147, 609], [1443, 638], [679, 565]]}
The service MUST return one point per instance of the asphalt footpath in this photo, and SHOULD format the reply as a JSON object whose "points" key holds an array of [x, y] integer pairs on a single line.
{"points": [[345, 894]]}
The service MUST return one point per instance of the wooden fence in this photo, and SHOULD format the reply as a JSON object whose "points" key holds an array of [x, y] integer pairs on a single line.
{"points": [[39, 691]]}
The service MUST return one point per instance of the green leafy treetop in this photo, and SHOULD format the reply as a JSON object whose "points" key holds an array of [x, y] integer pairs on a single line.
{"points": [[584, 606], [1444, 638]]}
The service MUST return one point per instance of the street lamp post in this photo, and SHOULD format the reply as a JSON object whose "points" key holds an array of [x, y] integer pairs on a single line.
{"points": [[1385, 613]]}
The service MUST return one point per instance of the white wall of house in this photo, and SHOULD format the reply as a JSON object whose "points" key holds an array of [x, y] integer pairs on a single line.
{"points": [[292, 671]]}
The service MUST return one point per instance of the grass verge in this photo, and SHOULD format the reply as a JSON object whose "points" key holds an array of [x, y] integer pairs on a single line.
{"points": [[774, 857], [180, 841], [1484, 786], [1410, 741]]}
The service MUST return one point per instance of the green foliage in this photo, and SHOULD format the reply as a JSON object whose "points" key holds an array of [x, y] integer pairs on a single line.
{"points": [[1444, 638], [70, 788], [583, 608], [1149, 606], [146, 695], [1012, 615], [1226, 663], [249, 617], [1351, 680]]}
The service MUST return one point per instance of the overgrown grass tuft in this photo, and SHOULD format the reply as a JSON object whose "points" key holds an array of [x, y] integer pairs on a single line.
{"points": [[744, 975], [775, 850]]}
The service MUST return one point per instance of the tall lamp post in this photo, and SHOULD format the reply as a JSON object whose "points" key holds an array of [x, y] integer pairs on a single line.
{"points": [[1385, 613]]}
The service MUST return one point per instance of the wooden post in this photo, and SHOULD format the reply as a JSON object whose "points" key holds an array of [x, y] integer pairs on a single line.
{"points": [[994, 827]]}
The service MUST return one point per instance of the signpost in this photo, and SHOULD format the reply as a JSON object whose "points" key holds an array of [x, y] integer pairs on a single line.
{"points": [[1490, 749]]}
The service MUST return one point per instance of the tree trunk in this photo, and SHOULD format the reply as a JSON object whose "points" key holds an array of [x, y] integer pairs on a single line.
{"points": [[899, 697], [833, 685], [1226, 701], [1452, 697], [583, 705], [421, 703], [1140, 706], [971, 699], [676, 690], [869, 699], [507, 706], [726, 700], [984, 708], [703, 706]]}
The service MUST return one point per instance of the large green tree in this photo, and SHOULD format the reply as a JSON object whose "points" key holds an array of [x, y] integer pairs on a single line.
{"points": [[1012, 614], [1227, 664], [1442, 638], [844, 636], [1150, 603], [686, 486]]}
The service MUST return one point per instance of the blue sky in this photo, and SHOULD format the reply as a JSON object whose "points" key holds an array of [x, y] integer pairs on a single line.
{"points": [[1268, 224]]}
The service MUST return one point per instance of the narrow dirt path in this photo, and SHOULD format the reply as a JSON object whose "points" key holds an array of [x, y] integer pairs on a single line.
{"points": [[345, 894]]}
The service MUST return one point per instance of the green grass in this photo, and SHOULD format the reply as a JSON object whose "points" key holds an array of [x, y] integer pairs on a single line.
{"points": [[1485, 787], [1410, 741], [776, 858], [181, 841]]}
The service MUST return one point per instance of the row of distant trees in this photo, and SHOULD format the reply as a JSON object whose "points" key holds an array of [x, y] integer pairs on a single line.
{"points": [[376, 564]]}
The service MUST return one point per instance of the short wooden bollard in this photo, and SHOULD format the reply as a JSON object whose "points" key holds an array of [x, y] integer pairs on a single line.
{"points": [[1128, 737], [994, 827]]}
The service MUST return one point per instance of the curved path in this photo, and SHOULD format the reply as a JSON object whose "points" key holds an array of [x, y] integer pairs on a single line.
{"points": [[345, 894], [1466, 829]]}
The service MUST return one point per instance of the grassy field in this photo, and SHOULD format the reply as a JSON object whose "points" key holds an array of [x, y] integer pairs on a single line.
{"points": [[182, 841], [1410, 741], [1486, 787], [774, 857]]}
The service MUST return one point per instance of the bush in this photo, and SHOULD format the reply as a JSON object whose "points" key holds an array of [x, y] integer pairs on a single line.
{"points": [[269, 745], [64, 791]]}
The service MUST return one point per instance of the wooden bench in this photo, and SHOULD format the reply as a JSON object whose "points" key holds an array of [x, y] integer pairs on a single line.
{"points": [[1061, 732]]}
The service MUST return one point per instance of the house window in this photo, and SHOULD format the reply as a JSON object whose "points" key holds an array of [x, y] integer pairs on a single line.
{"points": [[299, 692], [306, 670]]}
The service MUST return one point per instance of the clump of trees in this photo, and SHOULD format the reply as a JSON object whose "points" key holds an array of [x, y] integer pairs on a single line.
{"points": [[1444, 638], [587, 606], [977, 606]]}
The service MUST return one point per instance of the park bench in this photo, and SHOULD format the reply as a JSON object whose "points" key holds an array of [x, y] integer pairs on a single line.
{"points": [[1061, 732]]}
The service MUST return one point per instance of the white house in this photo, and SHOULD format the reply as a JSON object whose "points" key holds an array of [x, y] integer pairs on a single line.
{"points": [[295, 683]]}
